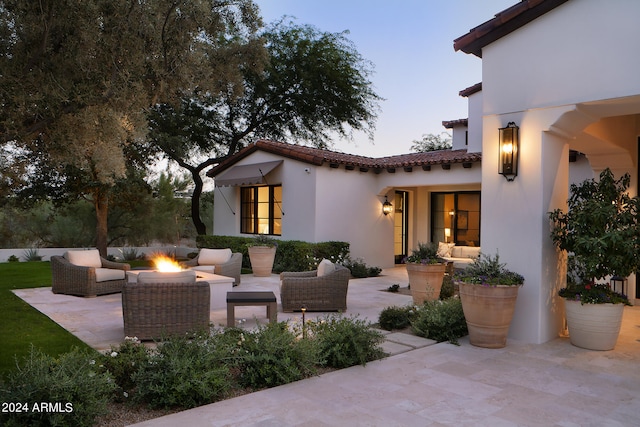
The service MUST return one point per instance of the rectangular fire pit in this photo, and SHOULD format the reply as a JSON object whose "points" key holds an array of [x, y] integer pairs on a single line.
{"points": [[267, 299]]}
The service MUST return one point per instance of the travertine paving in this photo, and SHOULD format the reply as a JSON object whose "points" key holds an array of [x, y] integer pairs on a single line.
{"points": [[551, 384]]}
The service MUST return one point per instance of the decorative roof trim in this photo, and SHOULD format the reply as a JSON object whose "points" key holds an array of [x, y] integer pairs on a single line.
{"points": [[449, 124], [471, 90], [504, 23], [318, 157]]}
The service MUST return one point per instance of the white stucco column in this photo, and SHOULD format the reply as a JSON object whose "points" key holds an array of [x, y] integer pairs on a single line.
{"points": [[515, 222]]}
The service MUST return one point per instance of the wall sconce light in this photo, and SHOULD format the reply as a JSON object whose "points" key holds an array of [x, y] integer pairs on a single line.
{"points": [[447, 235], [508, 161], [387, 207]]}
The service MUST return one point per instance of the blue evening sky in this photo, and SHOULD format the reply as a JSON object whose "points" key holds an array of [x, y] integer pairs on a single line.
{"points": [[410, 43]]}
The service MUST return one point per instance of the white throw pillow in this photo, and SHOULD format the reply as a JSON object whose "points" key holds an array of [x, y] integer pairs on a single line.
{"points": [[214, 256], [325, 267], [186, 276], [90, 258], [444, 249]]}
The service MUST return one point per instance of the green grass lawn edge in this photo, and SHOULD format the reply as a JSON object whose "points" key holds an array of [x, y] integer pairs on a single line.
{"points": [[23, 326]]}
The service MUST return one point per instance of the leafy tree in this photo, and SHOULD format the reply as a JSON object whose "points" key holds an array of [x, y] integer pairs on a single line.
{"points": [[77, 78], [431, 142], [314, 86]]}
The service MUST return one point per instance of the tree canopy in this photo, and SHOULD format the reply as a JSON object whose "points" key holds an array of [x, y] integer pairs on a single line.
{"points": [[77, 77], [431, 142], [314, 87]]}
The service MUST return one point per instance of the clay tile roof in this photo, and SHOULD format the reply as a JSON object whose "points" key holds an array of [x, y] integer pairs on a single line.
{"points": [[504, 23], [318, 157], [471, 90], [448, 124]]}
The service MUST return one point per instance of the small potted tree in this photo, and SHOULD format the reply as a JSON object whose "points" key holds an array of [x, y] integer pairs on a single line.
{"points": [[488, 292], [262, 253], [426, 272], [600, 234]]}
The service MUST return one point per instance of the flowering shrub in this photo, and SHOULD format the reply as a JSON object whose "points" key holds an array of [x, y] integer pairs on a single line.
{"points": [[593, 293], [123, 362], [71, 388], [427, 253], [489, 271]]}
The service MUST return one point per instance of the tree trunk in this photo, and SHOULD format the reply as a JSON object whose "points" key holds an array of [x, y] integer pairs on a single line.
{"points": [[101, 204], [201, 228]]}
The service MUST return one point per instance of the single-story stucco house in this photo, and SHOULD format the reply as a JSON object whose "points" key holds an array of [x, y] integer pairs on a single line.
{"points": [[561, 72]]}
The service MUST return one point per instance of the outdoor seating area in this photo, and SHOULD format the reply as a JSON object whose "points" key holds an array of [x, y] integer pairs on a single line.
{"points": [[163, 304], [521, 384], [324, 289], [87, 274]]}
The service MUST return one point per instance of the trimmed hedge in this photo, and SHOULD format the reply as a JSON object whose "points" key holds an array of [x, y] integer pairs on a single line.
{"points": [[291, 255]]}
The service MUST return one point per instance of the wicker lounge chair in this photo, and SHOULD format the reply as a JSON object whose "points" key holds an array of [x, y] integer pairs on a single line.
{"points": [[161, 309], [231, 268], [72, 279], [316, 293]]}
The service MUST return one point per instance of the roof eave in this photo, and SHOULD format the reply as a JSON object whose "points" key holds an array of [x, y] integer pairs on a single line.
{"points": [[502, 24]]}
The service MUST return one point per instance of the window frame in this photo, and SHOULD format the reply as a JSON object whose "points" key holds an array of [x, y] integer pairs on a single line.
{"points": [[254, 203]]}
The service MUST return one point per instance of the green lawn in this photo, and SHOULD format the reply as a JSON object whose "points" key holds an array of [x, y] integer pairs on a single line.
{"points": [[22, 325]]}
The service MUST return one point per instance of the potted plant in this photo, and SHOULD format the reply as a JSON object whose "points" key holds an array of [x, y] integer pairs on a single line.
{"points": [[600, 233], [426, 272], [488, 292], [262, 253]]}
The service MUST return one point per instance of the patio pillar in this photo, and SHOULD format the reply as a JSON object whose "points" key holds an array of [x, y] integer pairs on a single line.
{"points": [[515, 222]]}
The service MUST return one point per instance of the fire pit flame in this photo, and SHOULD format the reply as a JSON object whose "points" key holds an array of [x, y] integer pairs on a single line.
{"points": [[166, 264]]}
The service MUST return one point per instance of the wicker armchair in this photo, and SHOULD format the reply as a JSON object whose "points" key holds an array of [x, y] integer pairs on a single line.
{"points": [[232, 268], [71, 279], [324, 293], [158, 310]]}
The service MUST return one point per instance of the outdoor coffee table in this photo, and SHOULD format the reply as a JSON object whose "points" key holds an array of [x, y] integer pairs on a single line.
{"points": [[267, 299]]}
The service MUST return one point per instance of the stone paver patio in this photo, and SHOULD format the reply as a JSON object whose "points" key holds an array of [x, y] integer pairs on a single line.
{"points": [[522, 384]]}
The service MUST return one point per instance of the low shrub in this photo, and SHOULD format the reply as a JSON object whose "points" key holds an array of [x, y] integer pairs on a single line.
{"points": [[183, 373], [31, 254], [396, 317], [291, 255], [123, 362], [66, 391], [359, 269], [272, 355], [13, 258], [441, 320], [447, 290], [346, 341]]}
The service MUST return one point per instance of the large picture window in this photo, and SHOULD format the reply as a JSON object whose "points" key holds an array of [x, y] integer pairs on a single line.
{"points": [[261, 210], [455, 218]]}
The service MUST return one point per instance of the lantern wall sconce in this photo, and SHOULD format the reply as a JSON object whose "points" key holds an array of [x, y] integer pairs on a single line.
{"points": [[387, 207], [509, 139]]}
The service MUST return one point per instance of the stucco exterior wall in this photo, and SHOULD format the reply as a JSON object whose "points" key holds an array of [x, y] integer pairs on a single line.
{"points": [[580, 51], [475, 122]]}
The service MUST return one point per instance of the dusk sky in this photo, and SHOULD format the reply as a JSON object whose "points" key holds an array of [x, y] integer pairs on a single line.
{"points": [[410, 43]]}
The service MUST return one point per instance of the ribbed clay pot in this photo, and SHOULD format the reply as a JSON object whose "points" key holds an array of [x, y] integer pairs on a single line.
{"points": [[488, 311], [593, 326], [262, 258], [425, 281]]}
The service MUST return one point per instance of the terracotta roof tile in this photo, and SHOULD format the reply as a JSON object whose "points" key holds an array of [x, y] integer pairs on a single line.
{"points": [[318, 157], [504, 23], [471, 90], [448, 124]]}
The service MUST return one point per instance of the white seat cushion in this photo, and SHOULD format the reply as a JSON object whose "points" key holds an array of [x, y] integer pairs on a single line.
{"points": [[89, 258], [186, 276], [106, 274], [214, 256], [206, 268], [325, 267]]}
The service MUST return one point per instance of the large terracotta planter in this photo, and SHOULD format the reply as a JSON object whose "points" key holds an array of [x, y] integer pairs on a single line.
{"points": [[425, 281], [593, 326], [262, 258], [488, 311]]}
